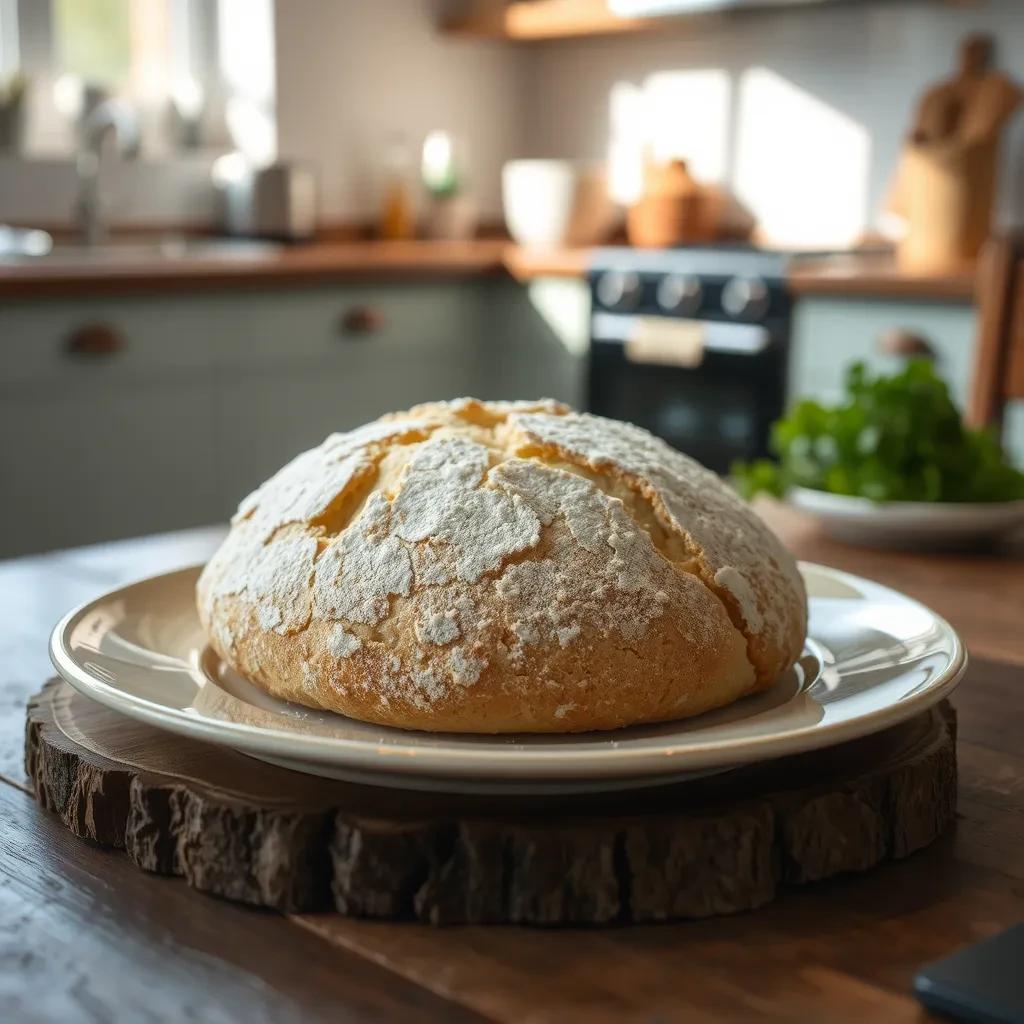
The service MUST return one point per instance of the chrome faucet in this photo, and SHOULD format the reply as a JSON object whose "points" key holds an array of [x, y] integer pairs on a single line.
{"points": [[109, 116]]}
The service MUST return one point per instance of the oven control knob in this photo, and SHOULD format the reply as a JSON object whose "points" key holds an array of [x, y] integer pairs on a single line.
{"points": [[618, 290], [680, 293], [745, 298]]}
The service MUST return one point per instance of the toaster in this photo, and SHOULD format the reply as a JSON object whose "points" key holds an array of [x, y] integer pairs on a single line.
{"points": [[276, 201]]}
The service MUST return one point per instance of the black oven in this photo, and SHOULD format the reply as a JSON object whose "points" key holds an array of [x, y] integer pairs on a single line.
{"points": [[691, 344]]}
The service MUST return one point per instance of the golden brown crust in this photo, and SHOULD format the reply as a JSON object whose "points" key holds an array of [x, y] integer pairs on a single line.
{"points": [[501, 568]]}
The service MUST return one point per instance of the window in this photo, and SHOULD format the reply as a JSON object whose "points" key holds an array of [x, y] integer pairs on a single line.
{"points": [[199, 73], [93, 40], [8, 39]]}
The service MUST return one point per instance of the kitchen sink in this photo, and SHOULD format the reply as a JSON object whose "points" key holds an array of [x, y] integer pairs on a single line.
{"points": [[22, 247]]}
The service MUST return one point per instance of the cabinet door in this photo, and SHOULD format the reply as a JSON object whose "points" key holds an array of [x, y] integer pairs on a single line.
{"points": [[101, 463], [297, 366], [534, 339], [829, 334], [204, 396], [428, 323], [267, 416], [106, 413], [47, 343], [1013, 432]]}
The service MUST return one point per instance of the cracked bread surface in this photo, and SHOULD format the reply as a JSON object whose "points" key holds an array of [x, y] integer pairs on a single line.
{"points": [[502, 567]]}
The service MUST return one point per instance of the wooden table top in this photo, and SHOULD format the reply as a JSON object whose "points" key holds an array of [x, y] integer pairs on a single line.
{"points": [[85, 936]]}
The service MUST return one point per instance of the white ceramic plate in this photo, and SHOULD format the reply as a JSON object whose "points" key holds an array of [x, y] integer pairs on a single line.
{"points": [[874, 657], [909, 524]]}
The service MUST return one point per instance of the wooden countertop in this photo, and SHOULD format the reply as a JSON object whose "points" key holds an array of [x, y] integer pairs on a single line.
{"points": [[878, 278], [525, 264], [303, 263], [855, 275], [325, 262], [96, 934]]}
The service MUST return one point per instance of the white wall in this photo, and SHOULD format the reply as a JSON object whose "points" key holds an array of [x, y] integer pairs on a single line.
{"points": [[352, 72], [866, 63], [840, 79], [349, 74], [174, 193]]}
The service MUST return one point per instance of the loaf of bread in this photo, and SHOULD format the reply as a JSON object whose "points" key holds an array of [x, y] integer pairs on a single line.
{"points": [[502, 567]]}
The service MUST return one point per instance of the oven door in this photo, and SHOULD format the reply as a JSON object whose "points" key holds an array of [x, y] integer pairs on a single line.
{"points": [[711, 389]]}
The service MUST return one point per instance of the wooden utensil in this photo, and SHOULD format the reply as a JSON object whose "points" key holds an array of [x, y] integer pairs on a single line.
{"points": [[945, 184], [947, 195]]}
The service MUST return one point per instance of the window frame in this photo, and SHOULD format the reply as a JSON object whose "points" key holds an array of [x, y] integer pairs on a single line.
{"points": [[28, 43]]}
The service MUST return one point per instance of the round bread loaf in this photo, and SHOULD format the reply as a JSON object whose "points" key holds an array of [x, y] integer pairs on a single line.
{"points": [[502, 567]]}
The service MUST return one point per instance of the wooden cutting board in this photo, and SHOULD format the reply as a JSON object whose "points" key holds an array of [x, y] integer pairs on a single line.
{"points": [[241, 829]]}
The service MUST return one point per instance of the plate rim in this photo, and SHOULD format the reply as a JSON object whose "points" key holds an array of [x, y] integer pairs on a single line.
{"points": [[391, 757]]}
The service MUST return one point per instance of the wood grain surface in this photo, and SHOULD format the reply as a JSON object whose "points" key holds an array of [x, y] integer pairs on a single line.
{"points": [[996, 302], [274, 838], [320, 262], [76, 921], [536, 20], [85, 936], [877, 277], [289, 265]]}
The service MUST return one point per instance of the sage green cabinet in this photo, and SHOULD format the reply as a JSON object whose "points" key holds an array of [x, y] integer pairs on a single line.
{"points": [[205, 394], [82, 464], [830, 333], [297, 366], [191, 400], [534, 339]]}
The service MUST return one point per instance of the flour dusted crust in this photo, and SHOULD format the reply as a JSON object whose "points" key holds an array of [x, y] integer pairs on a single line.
{"points": [[502, 567]]}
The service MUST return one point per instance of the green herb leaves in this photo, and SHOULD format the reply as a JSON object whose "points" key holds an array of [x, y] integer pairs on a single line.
{"points": [[897, 438]]}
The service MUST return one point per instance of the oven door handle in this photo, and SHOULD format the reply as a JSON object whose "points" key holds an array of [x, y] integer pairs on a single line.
{"points": [[717, 336]]}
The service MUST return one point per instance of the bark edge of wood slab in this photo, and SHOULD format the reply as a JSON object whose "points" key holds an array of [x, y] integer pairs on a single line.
{"points": [[244, 830]]}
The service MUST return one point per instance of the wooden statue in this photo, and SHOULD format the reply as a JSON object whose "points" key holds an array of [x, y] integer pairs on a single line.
{"points": [[945, 185]]}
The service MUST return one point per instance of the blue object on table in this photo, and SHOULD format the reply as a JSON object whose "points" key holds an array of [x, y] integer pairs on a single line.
{"points": [[983, 983]]}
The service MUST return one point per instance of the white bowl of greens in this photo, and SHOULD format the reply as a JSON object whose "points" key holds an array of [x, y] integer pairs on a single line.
{"points": [[891, 466], [916, 525]]}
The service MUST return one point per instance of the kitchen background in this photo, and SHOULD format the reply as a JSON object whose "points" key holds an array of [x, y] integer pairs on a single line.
{"points": [[337, 79], [149, 387]]}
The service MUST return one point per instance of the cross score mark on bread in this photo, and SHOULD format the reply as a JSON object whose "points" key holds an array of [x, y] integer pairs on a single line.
{"points": [[502, 567]]}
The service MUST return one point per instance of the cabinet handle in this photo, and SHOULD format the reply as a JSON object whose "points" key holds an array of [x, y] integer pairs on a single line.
{"points": [[360, 321], [905, 343], [94, 340]]}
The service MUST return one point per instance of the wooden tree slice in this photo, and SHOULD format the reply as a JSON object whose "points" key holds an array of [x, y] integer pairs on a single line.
{"points": [[245, 830]]}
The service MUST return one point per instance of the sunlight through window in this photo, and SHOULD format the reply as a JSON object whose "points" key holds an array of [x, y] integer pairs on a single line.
{"points": [[246, 35], [626, 140], [688, 119], [801, 165], [673, 115]]}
